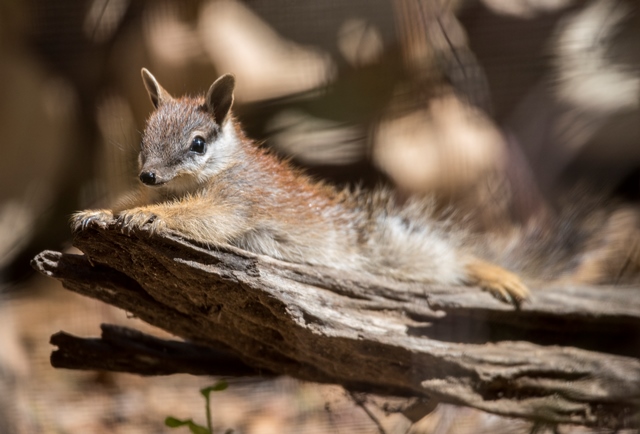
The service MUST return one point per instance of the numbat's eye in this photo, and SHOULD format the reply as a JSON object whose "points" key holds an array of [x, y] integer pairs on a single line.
{"points": [[198, 145]]}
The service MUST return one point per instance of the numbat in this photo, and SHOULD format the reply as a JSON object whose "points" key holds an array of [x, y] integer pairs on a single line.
{"points": [[208, 182]]}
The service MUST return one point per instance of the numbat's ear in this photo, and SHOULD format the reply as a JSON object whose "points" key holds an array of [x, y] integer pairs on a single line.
{"points": [[156, 92], [220, 97]]}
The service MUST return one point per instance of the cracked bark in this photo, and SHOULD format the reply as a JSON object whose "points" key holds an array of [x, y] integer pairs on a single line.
{"points": [[571, 355]]}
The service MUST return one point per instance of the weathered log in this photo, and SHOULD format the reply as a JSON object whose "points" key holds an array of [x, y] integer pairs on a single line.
{"points": [[570, 355]]}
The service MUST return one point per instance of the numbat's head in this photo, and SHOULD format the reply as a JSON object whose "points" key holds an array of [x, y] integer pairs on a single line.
{"points": [[187, 140]]}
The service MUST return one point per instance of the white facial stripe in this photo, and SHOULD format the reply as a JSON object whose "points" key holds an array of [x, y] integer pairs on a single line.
{"points": [[220, 151]]}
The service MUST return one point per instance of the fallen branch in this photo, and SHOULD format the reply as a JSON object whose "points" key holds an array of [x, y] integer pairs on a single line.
{"points": [[369, 334], [123, 349]]}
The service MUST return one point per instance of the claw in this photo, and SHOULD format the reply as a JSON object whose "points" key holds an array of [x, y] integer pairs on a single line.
{"points": [[138, 218], [83, 220]]}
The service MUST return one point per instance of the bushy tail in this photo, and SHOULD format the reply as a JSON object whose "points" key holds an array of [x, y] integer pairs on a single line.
{"points": [[589, 242]]}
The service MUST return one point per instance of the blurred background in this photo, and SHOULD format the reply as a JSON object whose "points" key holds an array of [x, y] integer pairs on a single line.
{"points": [[498, 108]]}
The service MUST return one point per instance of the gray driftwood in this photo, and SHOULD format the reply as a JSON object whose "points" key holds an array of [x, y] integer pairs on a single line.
{"points": [[571, 355]]}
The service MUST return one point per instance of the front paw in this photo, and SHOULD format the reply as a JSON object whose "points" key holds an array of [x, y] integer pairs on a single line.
{"points": [[96, 218], [140, 218]]}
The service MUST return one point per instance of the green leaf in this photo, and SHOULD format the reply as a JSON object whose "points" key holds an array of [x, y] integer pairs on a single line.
{"points": [[219, 386], [172, 422], [197, 429]]}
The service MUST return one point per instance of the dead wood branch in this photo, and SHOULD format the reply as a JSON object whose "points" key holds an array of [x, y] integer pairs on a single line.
{"points": [[370, 334], [122, 349]]}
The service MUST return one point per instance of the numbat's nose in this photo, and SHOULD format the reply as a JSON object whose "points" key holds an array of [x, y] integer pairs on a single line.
{"points": [[148, 178]]}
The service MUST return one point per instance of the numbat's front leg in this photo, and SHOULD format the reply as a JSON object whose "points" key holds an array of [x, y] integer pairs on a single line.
{"points": [[502, 284], [194, 217]]}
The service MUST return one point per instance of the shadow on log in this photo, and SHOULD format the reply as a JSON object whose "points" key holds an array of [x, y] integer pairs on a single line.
{"points": [[571, 355]]}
